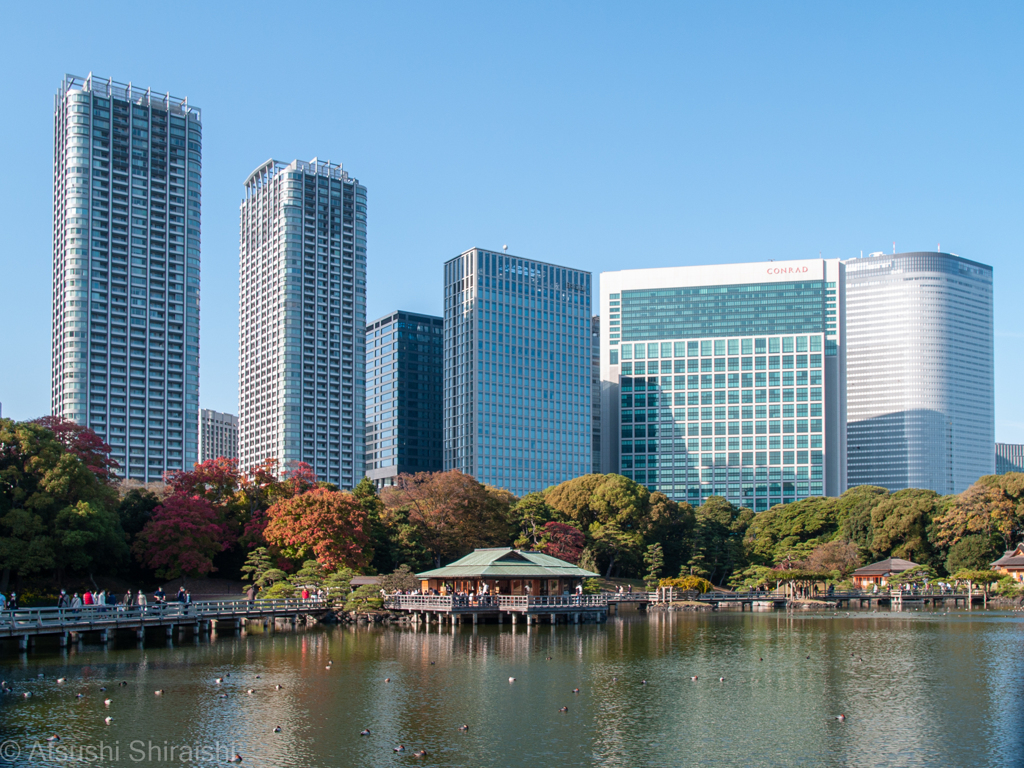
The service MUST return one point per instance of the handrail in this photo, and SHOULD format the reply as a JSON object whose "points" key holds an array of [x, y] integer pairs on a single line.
{"points": [[134, 614]]}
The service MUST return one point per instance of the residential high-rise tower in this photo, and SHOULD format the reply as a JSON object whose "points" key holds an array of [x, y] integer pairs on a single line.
{"points": [[218, 435], [921, 379], [403, 395], [516, 370], [726, 380], [302, 319], [126, 270]]}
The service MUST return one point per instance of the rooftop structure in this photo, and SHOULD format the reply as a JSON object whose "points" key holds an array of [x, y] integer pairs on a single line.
{"points": [[879, 573]]}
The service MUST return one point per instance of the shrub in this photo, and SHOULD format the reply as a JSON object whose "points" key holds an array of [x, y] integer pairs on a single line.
{"points": [[687, 584], [366, 598]]}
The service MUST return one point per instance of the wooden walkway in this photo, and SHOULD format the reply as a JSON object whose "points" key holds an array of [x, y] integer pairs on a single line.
{"points": [[26, 624], [462, 608]]}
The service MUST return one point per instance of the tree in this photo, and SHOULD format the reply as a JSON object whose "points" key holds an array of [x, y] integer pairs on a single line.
{"points": [[654, 559], [572, 500], [311, 576], [339, 583], [453, 512], [718, 539], [136, 509], [328, 525], [671, 525], [993, 506], [791, 531], [617, 548], [837, 555], [530, 514], [182, 537], [687, 584], [918, 576], [972, 552], [84, 444], [975, 578], [901, 523], [88, 535], [366, 597], [257, 563], [403, 579], [853, 513], [563, 541]]}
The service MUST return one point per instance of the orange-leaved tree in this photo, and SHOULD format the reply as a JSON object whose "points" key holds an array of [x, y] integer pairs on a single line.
{"points": [[330, 526]]}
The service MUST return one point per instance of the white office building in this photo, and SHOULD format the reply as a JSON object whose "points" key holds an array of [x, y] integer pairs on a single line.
{"points": [[726, 380], [302, 320], [921, 393], [517, 405], [218, 435], [127, 193]]}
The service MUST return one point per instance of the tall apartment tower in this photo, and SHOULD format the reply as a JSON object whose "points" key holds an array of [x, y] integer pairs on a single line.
{"points": [[127, 184], [595, 393], [218, 435], [921, 379], [302, 319], [726, 380], [516, 370], [404, 352]]}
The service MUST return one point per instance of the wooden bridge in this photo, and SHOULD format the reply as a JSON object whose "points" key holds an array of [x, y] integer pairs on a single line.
{"points": [[532, 608], [67, 624]]}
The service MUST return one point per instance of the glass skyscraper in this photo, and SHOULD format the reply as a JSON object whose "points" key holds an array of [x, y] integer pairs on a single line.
{"points": [[302, 319], [1009, 458], [921, 380], [516, 370], [126, 269], [726, 380], [404, 353]]}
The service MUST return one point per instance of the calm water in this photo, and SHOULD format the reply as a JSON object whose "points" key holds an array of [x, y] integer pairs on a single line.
{"points": [[917, 688]]}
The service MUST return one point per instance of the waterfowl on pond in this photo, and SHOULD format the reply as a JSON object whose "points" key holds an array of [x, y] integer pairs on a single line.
{"points": [[277, 729], [841, 718], [564, 709], [106, 702], [399, 748], [575, 690], [278, 687], [694, 678], [387, 679], [236, 759], [108, 719], [218, 680], [53, 738], [511, 679], [364, 732], [463, 727], [251, 691], [159, 693], [61, 679], [420, 753]]}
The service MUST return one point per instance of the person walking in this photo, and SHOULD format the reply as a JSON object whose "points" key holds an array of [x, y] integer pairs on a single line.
{"points": [[141, 599], [12, 604], [127, 601], [87, 597], [159, 596], [180, 597], [250, 594], [76, 602]]}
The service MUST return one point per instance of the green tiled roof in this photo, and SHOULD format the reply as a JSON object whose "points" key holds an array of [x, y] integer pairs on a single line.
{"points": [[506, 563]]}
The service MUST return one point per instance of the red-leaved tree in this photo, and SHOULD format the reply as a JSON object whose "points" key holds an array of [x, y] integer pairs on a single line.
{"points": [[83, 443], [182, 537], [329, 525], [563, 541]]}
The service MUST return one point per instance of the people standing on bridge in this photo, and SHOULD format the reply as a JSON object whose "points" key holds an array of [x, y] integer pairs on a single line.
{"points": [[141, 600], [76, 602], [180, 597], [250, 594], [12, 604], [87, 597], [305, 594], [126, 601], [159, 596]]}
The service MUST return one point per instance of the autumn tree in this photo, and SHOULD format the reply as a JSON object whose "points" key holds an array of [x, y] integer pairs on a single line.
{"points": [[453, 513], [993, 506], [563, 541], [837, 555], [182, 538], [329, 526], [530, 514], [84, 444]]}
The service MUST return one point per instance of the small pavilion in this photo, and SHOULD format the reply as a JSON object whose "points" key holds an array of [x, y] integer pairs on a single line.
{"points": [[879, 573], [1011, 563], [505, 571]]}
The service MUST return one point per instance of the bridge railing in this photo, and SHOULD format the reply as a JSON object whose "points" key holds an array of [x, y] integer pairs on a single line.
{"points": [[108, 615], [492, 602]]}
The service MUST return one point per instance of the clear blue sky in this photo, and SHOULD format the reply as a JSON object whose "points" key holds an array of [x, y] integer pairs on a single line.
{"points": [[596, 135]]}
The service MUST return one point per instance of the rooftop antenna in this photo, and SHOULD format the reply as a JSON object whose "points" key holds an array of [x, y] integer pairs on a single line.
{"points": [[938, 247], [504, 248], [893, 247]]}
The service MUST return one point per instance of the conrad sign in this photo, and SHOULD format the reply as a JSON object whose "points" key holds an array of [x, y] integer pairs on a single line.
{"points": [[787, 270]]}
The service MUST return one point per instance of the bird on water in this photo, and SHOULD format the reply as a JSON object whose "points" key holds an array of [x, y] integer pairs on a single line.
{"points": [[463, 727], [364, 732]]}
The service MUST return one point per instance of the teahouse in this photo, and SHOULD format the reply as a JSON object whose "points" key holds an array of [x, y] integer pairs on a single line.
{"points": [[880, 572], [506, 571], [1011, 563]]}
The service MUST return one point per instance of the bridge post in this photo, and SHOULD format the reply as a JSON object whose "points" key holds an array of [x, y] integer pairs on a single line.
{"points": [[24, 641], [140, 633], [554, 619], [575, 618], [515, 617], [104, 637], [63, 639], [501, 617], [169, 631], [475, 617]]}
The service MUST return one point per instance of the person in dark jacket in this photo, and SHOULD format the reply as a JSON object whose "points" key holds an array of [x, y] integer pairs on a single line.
{"points": [[12, 604]]}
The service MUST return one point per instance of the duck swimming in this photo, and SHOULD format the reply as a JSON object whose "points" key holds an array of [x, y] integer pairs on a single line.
{"points": [[463, 727], [364, 732]]}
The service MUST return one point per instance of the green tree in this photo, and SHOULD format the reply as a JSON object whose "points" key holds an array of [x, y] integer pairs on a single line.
{"points": [[993, 506], [88, 537], [530, 514], [402, 579], [339, 583], [136, 509], [918, 576], [573, 500], [972, 552], [654, 559], [901, 526], [365, 598], [310, 576], [791, 531], [257, 563], [718, 540], [853, 512]]}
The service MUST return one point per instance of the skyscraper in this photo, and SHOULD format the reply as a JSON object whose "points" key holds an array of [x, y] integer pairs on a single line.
{"points": [[302, 319], [920, 355], [516, 370], [126, 268], [218, 435], [404, 353], [595, 393], [1009, 458], [726, 380]]}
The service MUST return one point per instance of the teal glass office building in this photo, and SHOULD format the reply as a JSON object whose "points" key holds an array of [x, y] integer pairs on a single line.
{"points": [[517, 370], [726, 380]]}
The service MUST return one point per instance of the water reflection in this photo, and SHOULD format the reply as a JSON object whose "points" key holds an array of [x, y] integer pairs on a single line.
{"points": [[917, 689]]}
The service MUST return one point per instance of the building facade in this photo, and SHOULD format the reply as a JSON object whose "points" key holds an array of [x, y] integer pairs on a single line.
{"points": [[517, 398], [921, 392], [404, 369], [218, 435], [726, 380], [595, 393], [302, 320], [127, 194], [1009, 458]]}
